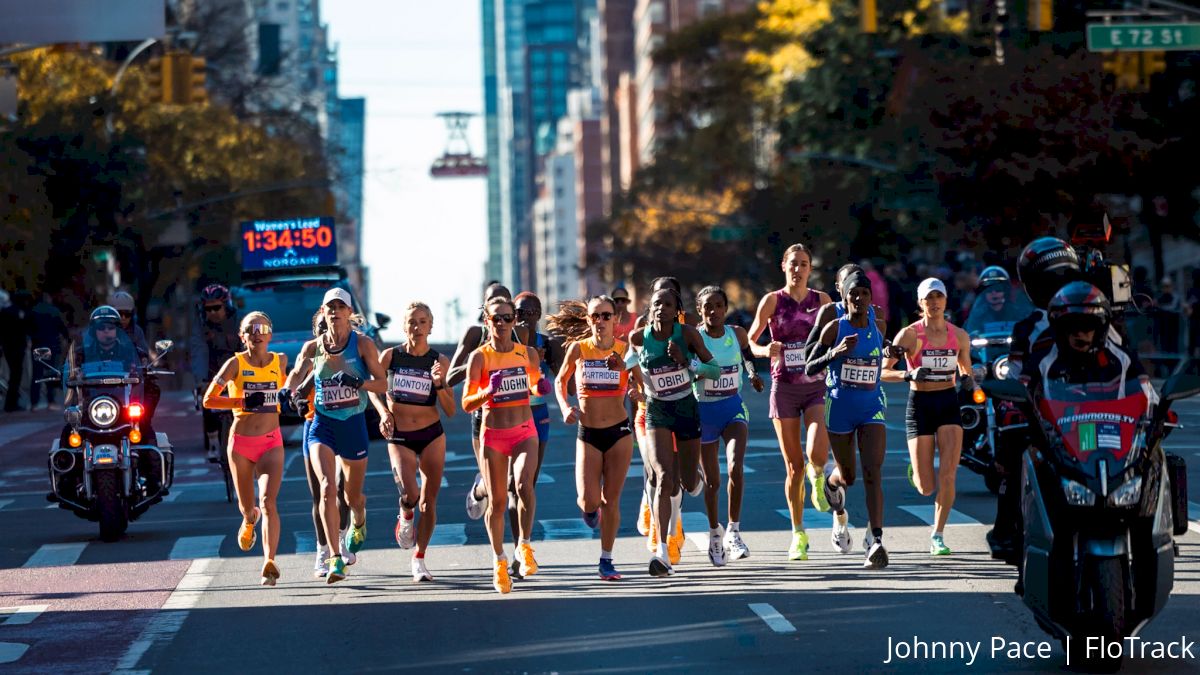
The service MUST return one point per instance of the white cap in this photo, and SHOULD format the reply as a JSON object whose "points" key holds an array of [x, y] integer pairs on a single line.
{"points": [[930, 285], [337, 294]]}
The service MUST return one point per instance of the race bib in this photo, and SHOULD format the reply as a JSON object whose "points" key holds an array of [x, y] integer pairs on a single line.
{"points": [[669, 379], [793, 357], [514, 386], [726, 385], [410, 385], [334, 397], [272, 402], [942, 363], [860, 373], [597, 376]]}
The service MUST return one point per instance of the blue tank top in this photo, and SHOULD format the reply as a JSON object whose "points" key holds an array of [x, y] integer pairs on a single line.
{"points": [[665, 379], [855, 376], [540, 343], [728, 354], [333, 401]]}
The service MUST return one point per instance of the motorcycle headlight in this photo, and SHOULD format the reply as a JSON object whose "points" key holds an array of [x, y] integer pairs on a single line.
{"points": [[1129, 494], [979, 372], [1000, 368], [1077, 494], [103, 412], [979, 342]]}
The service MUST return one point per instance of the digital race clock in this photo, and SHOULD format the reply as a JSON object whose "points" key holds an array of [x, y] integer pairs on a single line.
{"points": [[282, 244]]}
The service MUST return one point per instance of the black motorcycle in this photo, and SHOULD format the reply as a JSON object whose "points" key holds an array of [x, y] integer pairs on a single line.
{"points": [[983, 418], [101, 467], [1099, 511]]}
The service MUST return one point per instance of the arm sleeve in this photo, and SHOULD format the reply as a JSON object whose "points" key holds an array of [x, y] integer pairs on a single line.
{"points": [[819, 358], [709, 370]]}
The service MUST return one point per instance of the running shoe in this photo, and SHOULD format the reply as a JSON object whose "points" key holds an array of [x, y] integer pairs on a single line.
{"points": [[643, 523], [877, 557], [835, 495], [868, 539], [355, 538], [839, 537], [529, 566], [419, 572], [716, 548], [937, 545], [321, 564], [500, 580], [607, 571], [698, 489], [799, 547], [476, 507], [675, 543], [816, 478], [246, 534], [735, 548], [514, 570], [911, 482], [405, 532], [660, 567], [270, 573], [652, 538], [592, 519], [337, 570]]}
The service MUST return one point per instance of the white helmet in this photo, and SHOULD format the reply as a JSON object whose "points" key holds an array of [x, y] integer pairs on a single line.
{"points": [[121, 301]]}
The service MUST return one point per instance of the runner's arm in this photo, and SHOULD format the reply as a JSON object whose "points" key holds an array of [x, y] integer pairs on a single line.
{"points": [[445, 395], [458, 364], [214, 396], [766, 307], [565, 373], [473, 395]]}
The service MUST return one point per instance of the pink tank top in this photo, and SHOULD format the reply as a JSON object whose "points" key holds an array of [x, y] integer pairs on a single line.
{"points": [[941, 361], [791, 324]]}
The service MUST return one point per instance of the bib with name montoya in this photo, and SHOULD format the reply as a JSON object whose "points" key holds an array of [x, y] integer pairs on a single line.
{"points": [[597, 376], [669, 379], [410, 385], [514, 386], [726, 385], [270, 405], [334, 397]]}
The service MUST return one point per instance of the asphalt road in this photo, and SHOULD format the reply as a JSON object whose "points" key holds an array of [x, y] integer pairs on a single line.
{"points": [[177, 595]]}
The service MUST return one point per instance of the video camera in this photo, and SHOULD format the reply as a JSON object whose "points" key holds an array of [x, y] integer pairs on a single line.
{"points": [[1113, 278]]}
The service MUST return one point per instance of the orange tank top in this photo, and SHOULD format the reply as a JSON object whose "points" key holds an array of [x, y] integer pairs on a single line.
{"points": [[592, 375], [250, 379], [519, 376]]}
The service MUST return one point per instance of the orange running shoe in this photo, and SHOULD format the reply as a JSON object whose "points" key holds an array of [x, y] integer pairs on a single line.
{"points": [[500, 579], [529, 566], [643, 524], [270, 573], [675, 543], [652, 538], [246, 534]]}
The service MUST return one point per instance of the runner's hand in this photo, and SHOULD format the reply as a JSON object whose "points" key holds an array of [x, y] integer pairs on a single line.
{"points": [[494, 381], [571, 415], [894, 351], [775, 349], [917, 374], [636, 395], [255, 399], [543, 387], [439, 377], [386, 425], [675, 353], [343, 379], [615, 362], [849, 342], [757, 382]]}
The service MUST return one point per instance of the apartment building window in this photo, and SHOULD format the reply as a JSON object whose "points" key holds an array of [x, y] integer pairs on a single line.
{"points": [[268, 48]]}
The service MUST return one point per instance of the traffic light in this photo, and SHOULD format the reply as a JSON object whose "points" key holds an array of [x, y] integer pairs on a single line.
{"points": [[196, 91], [154, 78], [1153, 63], [177, 78], [1124, 68], [868, 17], [1041, 16]]}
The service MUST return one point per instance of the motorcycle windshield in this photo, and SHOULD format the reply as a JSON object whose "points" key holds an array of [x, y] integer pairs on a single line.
{"points": [[1096, 417], [109, 357], [987, 320]]}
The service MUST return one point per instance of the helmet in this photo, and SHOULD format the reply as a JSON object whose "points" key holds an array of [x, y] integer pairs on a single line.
{"points": [[219, 293], [121, 301], [1079, 306], [104, 314], [993, 276], [1045, 266]]}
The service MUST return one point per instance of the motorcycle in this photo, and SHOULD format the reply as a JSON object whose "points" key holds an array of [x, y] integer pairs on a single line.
{"points": [[984, 419], [1097, 560], [101, 468]]}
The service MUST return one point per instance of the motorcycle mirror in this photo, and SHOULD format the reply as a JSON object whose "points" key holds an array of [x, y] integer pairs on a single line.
{"points": [[382, 320], [1006, 390], [1181, 386], [163, 346], [41, 353]]}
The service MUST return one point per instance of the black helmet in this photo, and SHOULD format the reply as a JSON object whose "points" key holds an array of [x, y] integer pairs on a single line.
{"points": [[1076, 307], [104, 314], [1045, 266], [993, 276]]}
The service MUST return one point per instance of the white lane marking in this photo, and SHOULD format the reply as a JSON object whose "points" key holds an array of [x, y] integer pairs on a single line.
{"points": [[189, 548], [306, 542], [543, 478], [449, 534], [12, 651], [773, 619], [639, 471], [5, 502], [695, 529], [54, 555], [812, 518], [173, 496], [168, 620], [565, 528], [924, 512], [19, 616]]}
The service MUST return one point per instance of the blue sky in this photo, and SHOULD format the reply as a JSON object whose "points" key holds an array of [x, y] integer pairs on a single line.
{"points": [[423, 239]]}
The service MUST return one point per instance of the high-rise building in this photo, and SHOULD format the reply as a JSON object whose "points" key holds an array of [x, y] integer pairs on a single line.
{"points": [[616, 61], [554, 222], [494, 267]]}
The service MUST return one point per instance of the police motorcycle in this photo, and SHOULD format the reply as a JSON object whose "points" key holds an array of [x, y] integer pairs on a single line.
{"points": [[1097, 559], [101, 468]]}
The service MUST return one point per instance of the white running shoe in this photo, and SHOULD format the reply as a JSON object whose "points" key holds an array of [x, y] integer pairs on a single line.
{"points": [[420, 573], [840, 537], [735, 548], [348, 557], [475, 507], [716, 548], [321, 564], [877, 557], [699, 487], [405, 532], [868, 539]]}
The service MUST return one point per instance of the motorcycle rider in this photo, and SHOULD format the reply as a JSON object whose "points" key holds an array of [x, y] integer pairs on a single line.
{"points": [[211, 344], [995, 303], [151, 392]]}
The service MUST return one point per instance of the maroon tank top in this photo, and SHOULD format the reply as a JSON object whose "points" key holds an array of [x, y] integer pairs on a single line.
{"points": [[790, 324]]}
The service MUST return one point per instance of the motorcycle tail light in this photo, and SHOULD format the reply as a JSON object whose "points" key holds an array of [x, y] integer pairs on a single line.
{"points": [[978, 396], [135, 436], [1077, 494], [135, 411], [1128, 494], [74, 440]]}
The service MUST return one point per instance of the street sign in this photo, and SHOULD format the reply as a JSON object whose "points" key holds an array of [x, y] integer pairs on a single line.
{"points": [[299, 242], [1141, 37]]}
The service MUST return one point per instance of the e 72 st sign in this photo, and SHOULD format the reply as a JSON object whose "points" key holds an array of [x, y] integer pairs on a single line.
{"points": [[1141, 37]]}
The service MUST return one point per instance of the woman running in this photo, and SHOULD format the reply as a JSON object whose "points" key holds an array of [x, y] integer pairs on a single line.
{"points": [[605, 444], [723, 416], [410, 422], [797, 399], [938, 355], [501, 375], [344, 365], [852, 349], [253, 378], [670, 355]]}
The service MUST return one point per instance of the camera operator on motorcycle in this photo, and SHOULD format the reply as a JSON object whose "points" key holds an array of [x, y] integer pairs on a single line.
{"points": [[151, 392], [996, 307], [211, 344]]}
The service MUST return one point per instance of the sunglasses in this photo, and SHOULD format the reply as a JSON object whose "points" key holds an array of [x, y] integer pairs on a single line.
{"points": [[527, 312], [126, 315], [502, 318], [601, 316], [257, 329], [621, 300], [106, 326], [213, 308]]}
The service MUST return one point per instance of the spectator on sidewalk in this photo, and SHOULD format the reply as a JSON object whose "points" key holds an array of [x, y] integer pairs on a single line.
{"points": [[49, 330], [17, 320]]}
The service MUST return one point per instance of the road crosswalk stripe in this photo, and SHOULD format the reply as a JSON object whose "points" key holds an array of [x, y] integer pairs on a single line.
{"points": [[565, 528], [12, 651], [449, 534], [813, 519], [695, 529], [19, 616], [773, 619], [924, 512], [53, 555], [190, 548], [543, 478]]}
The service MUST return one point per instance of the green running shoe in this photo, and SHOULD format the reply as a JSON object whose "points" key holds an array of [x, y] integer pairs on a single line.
{"points": [[799, 549], [355, 537], [911, 482], [816, 480], [337, 570], [937, 546]]}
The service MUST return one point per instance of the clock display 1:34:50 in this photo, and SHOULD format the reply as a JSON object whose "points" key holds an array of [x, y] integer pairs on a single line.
{"points": [[312, 237]]}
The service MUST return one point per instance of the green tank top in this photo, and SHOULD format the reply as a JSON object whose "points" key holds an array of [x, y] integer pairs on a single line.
{"points": [[333, 401], [665, 379], [728, 354]]}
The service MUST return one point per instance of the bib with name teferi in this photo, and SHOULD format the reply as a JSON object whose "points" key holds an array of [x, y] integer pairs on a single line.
{"points": [[593, 376], [331, 400], [856, 373], [410, 377], [665, 379], [727, 352], [942, 361], [519, 375], [250, 379]]}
